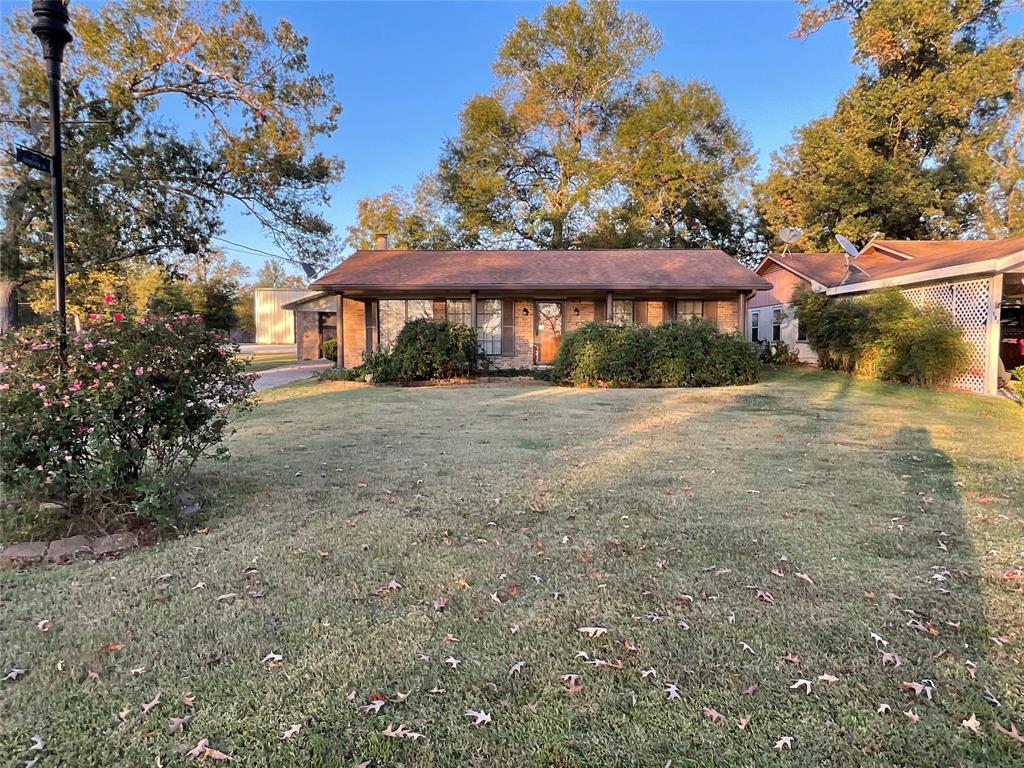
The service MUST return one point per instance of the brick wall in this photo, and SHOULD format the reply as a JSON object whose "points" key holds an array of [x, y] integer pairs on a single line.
{"points": [[728, 315], [354, 328], [307, 335], [586, 313]]}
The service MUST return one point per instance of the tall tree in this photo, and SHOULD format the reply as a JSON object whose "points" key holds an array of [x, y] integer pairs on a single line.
{"points": [[682, 165], [905, 151], [526, 167], [139, 186], [273, 275], [410, 221]]}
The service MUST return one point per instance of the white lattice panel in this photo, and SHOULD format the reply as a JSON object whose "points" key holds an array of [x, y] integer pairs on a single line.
{"points": [[968, 302]]}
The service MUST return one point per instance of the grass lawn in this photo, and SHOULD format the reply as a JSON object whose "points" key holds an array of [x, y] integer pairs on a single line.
{"points": [[678, 521], [262, 361]]}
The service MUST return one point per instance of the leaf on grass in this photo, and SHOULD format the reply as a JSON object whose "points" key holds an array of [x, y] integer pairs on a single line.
{"points": [[879, 640], [452, 662], [573, 683], [43, 625], [671, 691], [1012, 733], [792, 658], [911, 716], [178, 723], [927, 687], [517, 667], [374, 706], [747, 648], [827, 678], [110, 648], [149, 706], [401, 732], [440, 603], [786, 742], [891, 659], [593, 632], [745, 721], [1000, 640], [805, 577], [971, 723], [203, 749], [290, 732], [15, 673], [513, 629], [749, 690], [650, 672], [228, 598], [801, 683], [273, 659], [713, 715], [38, 744], [188, 698], [884, 709], [482, 718]]}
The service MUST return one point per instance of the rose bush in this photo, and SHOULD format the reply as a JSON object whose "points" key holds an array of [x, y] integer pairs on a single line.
{"points": [[110, 432]]}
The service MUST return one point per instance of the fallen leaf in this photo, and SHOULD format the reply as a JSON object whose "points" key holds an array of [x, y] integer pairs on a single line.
{"points": [[1012, 733], [927, 688], [273, 659], [671, 691], [971, 723], [440, 603], [792, 658], [452, 662], [801, 683], [879, 640], [593, 632], [745, 721], [911, 716], [883, 709], [827, 678], [290, 732], [15, 673], [38, 744], [188, 698], [784, 742], [43, 625], [713, 715], [401, 732], [650, 672], [374, 706], [482, 718], [178, 723], [805, 577], [228, 598], [149, 706], [517, 667], [110, 647], [891, 659]]}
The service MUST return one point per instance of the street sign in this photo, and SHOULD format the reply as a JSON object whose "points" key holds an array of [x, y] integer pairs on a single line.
{"points": [[34, 159]]}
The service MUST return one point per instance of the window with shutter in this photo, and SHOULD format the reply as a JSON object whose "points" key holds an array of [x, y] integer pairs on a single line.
{"points": [[508, 328]]}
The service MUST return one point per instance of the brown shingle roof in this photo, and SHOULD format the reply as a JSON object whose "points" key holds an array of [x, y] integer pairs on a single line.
{"points": [[829, 269], [953, 253], [663, 269], [917, 248]]}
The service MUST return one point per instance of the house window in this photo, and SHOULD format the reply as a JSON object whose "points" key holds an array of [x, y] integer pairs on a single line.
{"points": [[776, 324], [457, 311], [801, 334], [622, 311], [488, 325], [395, 313], [754, 333], [687, 309]]}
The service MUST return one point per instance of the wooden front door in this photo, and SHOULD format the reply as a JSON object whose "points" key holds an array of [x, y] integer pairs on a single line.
{"points": [[550, 323]]}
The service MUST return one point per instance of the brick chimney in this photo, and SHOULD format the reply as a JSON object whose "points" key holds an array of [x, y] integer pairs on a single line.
{"points": [[382, 241]]}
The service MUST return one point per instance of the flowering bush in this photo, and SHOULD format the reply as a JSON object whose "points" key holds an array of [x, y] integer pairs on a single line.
{"points": [[137, 402]]}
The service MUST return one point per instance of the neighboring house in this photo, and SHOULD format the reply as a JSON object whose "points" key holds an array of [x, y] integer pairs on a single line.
{"points": [[274, 324], [520, 302], [978, 281]]}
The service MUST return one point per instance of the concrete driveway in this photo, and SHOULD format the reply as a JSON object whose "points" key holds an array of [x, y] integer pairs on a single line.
{"points": [[286, 374]]}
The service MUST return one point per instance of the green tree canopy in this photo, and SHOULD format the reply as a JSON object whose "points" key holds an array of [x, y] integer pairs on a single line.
{"points": [[273, 275], [140, 187], [914, 149], [410, 221], [528, 163]]}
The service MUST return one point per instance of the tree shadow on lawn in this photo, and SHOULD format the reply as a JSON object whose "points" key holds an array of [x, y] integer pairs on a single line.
{"points": [[618, 501]]}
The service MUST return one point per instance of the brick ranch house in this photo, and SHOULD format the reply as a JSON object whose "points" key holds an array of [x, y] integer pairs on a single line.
{"points": [[978, 281], [520, 302]]}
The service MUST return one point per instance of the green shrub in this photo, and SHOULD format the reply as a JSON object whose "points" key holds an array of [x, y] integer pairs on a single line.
{"points": [[882, 335], [777, 353], [109, 436], [329, 349], [684, 354], [426, 350], [1018, 373]]}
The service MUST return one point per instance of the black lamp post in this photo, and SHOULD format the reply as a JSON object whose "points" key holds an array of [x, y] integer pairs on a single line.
{"points": [[51, 27]]}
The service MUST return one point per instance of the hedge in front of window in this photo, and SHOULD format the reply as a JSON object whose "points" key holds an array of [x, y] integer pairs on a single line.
{"points": [[678, 354], [427, 350]]}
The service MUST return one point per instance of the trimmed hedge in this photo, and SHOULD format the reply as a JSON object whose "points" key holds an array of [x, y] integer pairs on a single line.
{"points": [[680, 354], [329, 349], [883, 335], [425, 350]]}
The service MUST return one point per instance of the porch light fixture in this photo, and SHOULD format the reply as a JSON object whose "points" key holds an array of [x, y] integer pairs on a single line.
{"points": [[576, 311], [526, 311]]}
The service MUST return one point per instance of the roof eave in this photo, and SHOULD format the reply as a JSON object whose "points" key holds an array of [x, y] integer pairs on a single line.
{"points": [[988, 267]]}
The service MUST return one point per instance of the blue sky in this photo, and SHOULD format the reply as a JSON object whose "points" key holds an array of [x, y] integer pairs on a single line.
{"points": [[403, 70]]}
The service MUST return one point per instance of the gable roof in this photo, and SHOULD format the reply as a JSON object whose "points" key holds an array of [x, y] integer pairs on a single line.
{"points": [[620, 269], [913, 249], [828, 269]]}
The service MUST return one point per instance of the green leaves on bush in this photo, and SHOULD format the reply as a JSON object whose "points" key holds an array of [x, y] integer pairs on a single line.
{"points": [[690, 354], [882, 335], [136, 404], [329, 349], [426, 350]]}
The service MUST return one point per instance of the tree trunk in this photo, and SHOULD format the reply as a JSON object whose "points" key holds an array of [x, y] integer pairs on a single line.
{"points": [[8, 304]]}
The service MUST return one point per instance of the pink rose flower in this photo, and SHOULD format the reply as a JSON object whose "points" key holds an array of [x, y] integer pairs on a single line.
{"points": [[118, 316], [139, 371], [109, 298]]}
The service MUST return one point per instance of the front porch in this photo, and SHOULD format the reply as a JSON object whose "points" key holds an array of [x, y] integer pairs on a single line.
{"points": [[516, 331]]}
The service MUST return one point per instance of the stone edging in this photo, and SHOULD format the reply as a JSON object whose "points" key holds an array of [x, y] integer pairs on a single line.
{"points": [[66, 550]]}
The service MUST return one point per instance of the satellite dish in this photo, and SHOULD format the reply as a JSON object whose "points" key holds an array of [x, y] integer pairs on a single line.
{"points": [[850, 248], [790, 235]]}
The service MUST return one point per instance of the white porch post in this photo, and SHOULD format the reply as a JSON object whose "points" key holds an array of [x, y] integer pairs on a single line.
{"points": [[339, 329], [995, 300]]}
